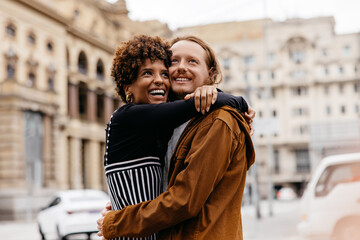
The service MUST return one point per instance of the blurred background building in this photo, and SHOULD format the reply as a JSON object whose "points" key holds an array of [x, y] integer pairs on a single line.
{"points": [[57, 94]]}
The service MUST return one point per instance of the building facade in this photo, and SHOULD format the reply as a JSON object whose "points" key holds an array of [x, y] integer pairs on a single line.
{"points": [[56, 95], [303, 80]]}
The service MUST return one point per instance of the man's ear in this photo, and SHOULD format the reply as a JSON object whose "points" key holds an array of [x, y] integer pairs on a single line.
{"points": [[211, 72]]}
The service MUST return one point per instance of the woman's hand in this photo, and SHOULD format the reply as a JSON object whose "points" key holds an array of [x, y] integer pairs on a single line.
{"points": [[249, 117], [204, 97], [100, 221]]}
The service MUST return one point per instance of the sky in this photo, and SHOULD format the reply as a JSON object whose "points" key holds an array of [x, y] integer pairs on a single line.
{"points": [[182, 13]]}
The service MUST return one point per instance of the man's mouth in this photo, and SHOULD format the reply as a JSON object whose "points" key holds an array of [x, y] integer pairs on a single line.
{"points": [[182, 79], [157, 92]]}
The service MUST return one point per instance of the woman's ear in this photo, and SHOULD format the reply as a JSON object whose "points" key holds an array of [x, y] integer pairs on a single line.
{"points": [[127, 89], [211, 74]]}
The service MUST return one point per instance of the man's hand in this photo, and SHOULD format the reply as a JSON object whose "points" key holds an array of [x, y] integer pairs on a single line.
{"points": [[204, 97], [100, 221], [249, 117]]}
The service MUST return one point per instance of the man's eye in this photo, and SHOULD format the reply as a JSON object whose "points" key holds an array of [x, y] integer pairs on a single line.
{"points": [[174, 61], [192, 61]]}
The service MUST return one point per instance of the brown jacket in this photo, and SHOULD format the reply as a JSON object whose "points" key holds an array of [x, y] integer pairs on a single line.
{"points": [[203, 200]]}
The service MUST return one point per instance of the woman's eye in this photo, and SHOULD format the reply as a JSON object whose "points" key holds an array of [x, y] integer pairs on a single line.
{"points": [[147, 73], [165, 75]]}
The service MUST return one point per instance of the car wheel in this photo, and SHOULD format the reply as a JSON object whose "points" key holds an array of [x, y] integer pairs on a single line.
{"points": [[41, 233], [347, 230]]}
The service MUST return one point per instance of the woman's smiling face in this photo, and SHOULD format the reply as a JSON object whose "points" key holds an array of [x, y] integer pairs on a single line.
{"points": [[152, 84]]}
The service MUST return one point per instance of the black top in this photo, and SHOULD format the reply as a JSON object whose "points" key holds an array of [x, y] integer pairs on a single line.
{"points": [[140, 130]]}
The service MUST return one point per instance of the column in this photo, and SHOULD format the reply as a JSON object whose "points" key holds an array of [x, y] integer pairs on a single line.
{"points": [[73, 103], [92, 165], [91, 106], [75, 163]]}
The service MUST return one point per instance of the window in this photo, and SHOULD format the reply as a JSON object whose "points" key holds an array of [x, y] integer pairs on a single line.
{"points": [[100, 70], [298, 56], [76, 14], [50, 47], [82, 101], [326, 71], [341, 88], [356, 87], [302, 161], [100, 108], [357, 108], [245, 77], [226, 62], [274, 113], [273, 93], [299, 91], [259, 76], [324, 52], [31, 80], [343, 109], [51, 84], [260, 114], [298, 74], [326, 89], [10, 71], [341, 70], [249, 59], [31, 39], [328, 110], [270, 57], [272, 75], [355, 69], [82, 63], [10, 30], [276, 161], [346, 50]]}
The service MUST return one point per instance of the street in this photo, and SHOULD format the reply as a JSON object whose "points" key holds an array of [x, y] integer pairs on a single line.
{"points": [[281, 226]]}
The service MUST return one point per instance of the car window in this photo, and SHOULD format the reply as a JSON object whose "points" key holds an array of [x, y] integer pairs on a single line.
{"points": [[334, 175], [54, 202]]}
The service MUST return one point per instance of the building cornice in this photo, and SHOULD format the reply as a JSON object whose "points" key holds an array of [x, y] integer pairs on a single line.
{"points": [[50, 13]]}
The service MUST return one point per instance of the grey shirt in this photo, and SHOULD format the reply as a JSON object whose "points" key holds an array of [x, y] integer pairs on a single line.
{"points": [[170, 150]]}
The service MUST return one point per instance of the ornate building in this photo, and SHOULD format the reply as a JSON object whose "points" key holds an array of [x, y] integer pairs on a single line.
{"points": [[303, 80], [56, 95]]}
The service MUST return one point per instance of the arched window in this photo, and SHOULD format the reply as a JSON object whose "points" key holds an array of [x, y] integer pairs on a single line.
{"points": [[100, 70], [50, 46], [82, 100], [11, 60], [31, 79], [82, 63], [31, 39], [11, 30], [10, 71]]}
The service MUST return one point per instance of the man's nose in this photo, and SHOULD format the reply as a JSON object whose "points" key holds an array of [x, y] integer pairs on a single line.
{"points": [[182, 66]]}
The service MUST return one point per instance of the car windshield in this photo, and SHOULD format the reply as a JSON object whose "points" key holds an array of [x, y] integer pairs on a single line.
{"points": [[334, 175]]}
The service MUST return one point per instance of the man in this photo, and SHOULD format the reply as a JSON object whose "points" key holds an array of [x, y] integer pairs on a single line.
{"points": [[207, 170]]}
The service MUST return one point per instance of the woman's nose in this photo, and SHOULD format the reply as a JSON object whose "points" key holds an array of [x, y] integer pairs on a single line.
{"points": [[158, 80]]}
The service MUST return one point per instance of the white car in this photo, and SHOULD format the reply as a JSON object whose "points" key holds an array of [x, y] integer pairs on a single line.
{"points": [[71, 212], [286, 194], [331, 202]]}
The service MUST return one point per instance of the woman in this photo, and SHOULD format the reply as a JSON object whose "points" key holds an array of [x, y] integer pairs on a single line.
{"points": [[138, 132]]}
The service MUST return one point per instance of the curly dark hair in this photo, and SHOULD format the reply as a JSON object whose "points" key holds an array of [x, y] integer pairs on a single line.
{"points": [[131, 55]]}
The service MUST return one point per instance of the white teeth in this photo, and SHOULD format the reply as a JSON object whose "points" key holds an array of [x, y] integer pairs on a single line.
{"points": [[182, 79], [157, 92]]}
